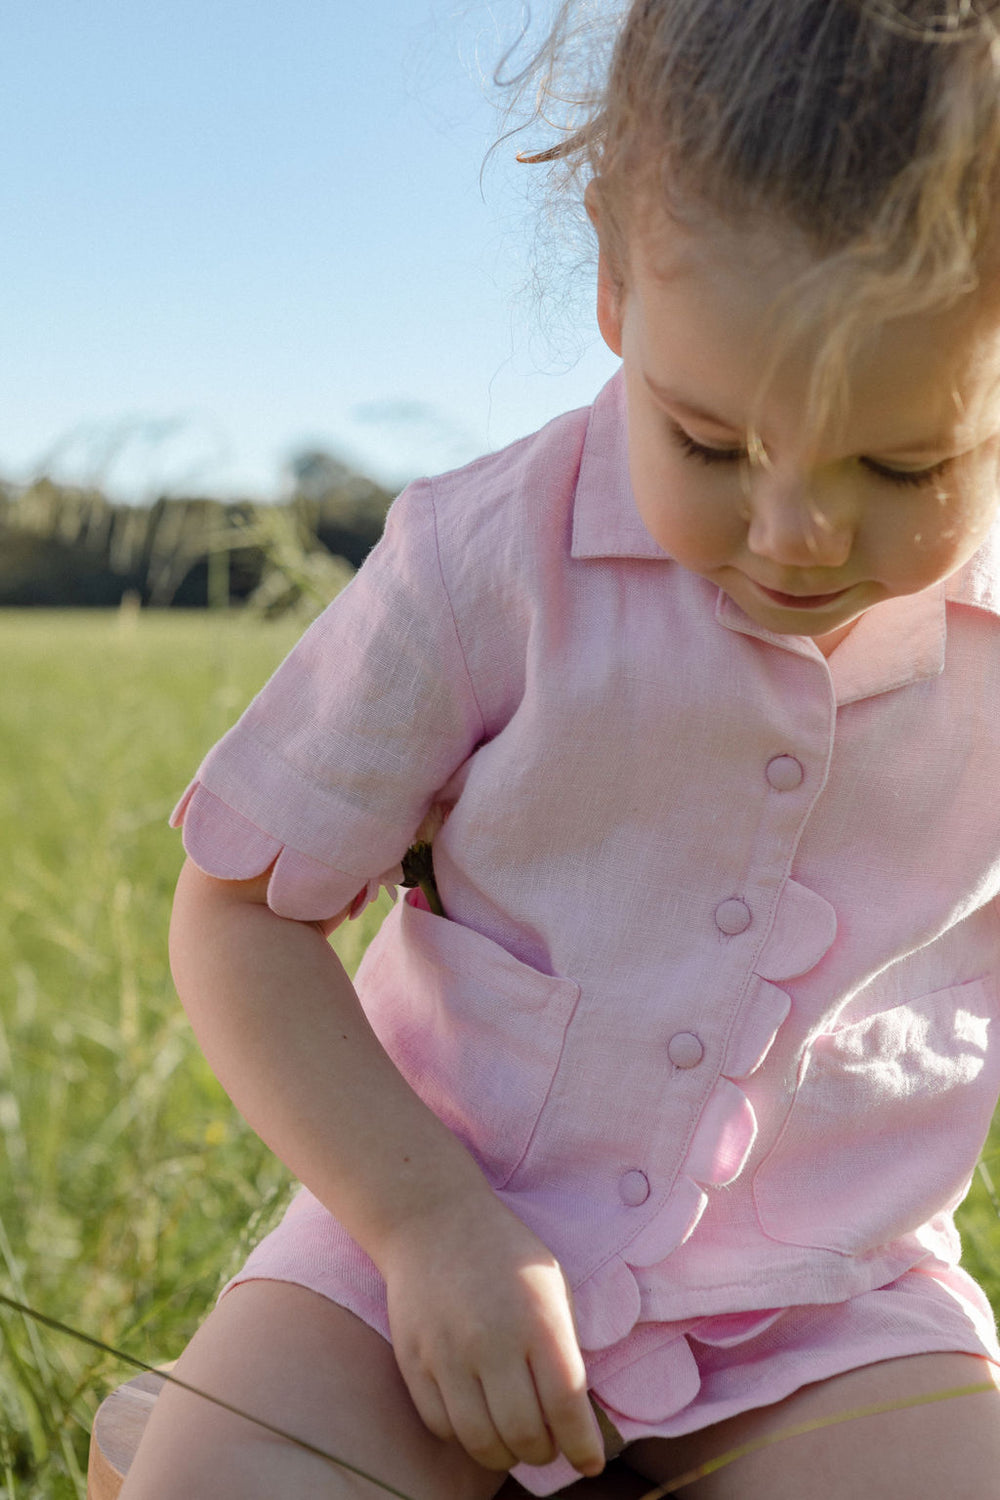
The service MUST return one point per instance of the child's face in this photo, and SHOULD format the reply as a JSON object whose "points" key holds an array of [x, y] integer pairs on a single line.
{"points": [[814, 533]]}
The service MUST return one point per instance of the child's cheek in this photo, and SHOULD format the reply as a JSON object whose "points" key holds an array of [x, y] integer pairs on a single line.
{"points": [[708, 522], [694, 516]]}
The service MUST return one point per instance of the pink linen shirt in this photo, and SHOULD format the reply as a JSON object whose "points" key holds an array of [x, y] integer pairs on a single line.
{"points": [[715, 1006]]}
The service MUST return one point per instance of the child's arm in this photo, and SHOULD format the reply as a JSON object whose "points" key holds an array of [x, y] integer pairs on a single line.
{"points": [[480, 1312]]}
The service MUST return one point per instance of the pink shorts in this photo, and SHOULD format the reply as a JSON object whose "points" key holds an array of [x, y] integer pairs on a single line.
{"points": [[666, 1379]]}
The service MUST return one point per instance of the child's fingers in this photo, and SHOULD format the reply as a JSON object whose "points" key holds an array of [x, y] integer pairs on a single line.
{"points": [[431, 1410], [569, 1415], [473, 1425], [463, 1416], [517, 1415], [510, 1416], [498, 1427]]}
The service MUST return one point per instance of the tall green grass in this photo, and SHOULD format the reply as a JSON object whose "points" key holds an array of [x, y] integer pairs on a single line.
{"points": [[129, 1187]]}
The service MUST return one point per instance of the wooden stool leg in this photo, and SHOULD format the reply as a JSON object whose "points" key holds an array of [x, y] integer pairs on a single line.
{"points": [[122, 1416], [118, 1426]]}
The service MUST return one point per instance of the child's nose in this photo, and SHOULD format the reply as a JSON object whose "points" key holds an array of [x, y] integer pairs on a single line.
{"points": [[790, 526]]}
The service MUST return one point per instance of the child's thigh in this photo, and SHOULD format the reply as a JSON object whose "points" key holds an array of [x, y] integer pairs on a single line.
{"points": [[923, 1452], [297, 1360]]}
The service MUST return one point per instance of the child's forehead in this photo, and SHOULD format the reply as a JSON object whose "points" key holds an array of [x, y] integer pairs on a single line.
{"points": [[666, 242], [724, 295]]}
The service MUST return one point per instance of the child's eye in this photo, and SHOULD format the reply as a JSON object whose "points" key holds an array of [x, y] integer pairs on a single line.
{"points": [[905, 478], [912, 477], [703, 452]]}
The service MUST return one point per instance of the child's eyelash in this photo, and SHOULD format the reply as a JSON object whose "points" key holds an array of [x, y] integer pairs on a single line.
{"points": [[707, 455], [911, 478]]}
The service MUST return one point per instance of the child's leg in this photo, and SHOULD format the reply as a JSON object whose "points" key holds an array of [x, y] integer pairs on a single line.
{"points": [[949, 1448], [299, 1361]]}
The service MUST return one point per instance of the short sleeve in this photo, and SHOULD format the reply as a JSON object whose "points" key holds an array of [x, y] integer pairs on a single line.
{"points": [[333, 766]]}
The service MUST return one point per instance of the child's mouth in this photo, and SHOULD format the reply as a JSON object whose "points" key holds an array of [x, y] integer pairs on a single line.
{"points": [[801, 601]]}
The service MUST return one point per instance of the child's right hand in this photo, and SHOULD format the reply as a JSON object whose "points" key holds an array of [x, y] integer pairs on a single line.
{"points": [[482, 1329]]}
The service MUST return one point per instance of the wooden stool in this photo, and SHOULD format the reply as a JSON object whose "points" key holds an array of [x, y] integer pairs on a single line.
{"points": [[123, 1414]]}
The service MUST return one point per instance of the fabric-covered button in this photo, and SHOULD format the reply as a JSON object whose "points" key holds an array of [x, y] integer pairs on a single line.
{"points": [[685, 1050], [634, 1188], [732, 917], [784, 773]]}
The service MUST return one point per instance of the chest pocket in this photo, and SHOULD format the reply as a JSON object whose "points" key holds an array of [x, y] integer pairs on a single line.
{"points": [[476, 1033], [886, 1125]]}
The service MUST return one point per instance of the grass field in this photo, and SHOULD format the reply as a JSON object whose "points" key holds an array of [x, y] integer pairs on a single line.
{"points": [[129, 1188]]}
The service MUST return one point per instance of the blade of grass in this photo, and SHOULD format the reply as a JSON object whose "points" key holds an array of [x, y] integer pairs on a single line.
{"points": [[44, 1370], [31, 1313], [723, 1461]]}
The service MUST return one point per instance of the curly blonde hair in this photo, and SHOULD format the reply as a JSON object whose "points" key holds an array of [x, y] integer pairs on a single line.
{"points": [[869, 128]]}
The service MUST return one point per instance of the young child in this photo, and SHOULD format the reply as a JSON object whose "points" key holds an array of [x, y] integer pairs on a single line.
{"points": [[672, 1108]]}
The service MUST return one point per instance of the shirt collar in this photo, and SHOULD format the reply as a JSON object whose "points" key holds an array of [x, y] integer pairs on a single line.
{"points": [[894, 643], [605, 520], [978, 582]]}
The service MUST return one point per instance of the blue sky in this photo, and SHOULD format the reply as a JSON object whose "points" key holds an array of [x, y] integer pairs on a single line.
{"points": [[234, 230]]}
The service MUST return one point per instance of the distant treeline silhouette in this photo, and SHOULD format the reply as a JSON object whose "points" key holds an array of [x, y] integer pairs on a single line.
{"points": [[63, 545]]}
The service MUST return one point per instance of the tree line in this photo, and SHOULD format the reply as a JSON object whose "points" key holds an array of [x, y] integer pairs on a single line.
{"points": [[69, 546]]}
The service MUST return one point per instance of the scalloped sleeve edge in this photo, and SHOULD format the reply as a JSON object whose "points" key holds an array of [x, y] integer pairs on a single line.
{"points": [[225, 844]]}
